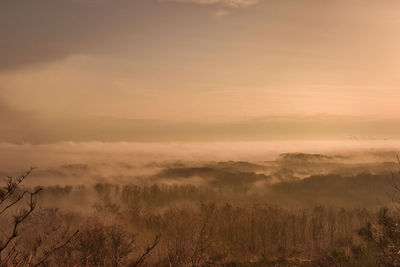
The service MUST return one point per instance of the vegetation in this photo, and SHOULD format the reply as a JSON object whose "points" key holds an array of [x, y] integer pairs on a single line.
{"points": [[160, 224]]}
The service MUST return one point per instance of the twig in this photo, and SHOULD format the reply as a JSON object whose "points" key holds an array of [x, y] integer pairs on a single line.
{"points": [[147, 252], [52, 251], [19, 219]]}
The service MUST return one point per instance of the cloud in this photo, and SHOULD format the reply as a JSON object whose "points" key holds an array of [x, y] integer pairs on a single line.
{"points": [[42, 31], [230, 3], [221, 13]]}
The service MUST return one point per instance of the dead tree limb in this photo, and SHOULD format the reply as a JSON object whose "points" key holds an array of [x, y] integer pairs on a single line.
{"points": [[19, 219], [147, 252], [54, 249], [12, 185]]}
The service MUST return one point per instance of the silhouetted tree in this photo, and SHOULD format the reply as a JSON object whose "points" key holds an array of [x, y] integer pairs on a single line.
{"points": [[12, 197]]}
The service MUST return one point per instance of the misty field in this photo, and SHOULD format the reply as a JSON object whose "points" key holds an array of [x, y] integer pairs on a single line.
{"points": [[338, 208]]}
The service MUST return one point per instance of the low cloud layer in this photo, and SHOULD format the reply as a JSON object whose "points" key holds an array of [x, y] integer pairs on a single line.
{"points": [[340, 173], [17, 157]]}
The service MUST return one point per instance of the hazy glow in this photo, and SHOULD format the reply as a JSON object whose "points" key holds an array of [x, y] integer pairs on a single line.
{"points": [[198, 65]]}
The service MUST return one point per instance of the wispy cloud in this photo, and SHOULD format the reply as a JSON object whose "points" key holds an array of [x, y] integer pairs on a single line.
{"points": [[221, 13], [230, 3]]}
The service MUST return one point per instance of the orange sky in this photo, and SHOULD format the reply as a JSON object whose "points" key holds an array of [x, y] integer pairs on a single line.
{"points": [[198, 69]]}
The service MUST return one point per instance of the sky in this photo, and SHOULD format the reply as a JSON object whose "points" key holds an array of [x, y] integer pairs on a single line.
{"points": [[199, 70]]}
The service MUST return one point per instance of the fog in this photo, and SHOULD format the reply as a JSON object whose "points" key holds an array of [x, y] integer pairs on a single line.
{"points": [[346, 173], [319, 195], [16, 156]]}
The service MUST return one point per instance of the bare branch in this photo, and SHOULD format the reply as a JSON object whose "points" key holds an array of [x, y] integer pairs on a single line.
{"points": [[20, 218], [12, 185], [14, 202], [54, 249], [146, 252]]}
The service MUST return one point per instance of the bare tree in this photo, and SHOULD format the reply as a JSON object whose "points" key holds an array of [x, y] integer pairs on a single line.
{"points": [[9, 197], [12, 196]]}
